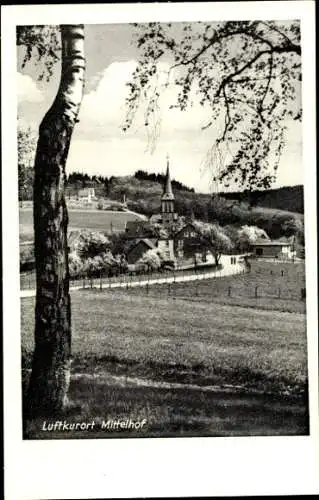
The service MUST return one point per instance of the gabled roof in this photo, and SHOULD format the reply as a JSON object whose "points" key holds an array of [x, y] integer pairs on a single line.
{"points": [[270, 243], [138, 229], [146, 241], [155, 218], [187, 225]]}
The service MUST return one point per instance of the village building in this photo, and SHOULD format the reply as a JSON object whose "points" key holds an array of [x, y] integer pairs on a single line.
{"points": [[275, 249], [187, 242], [138, 249]]}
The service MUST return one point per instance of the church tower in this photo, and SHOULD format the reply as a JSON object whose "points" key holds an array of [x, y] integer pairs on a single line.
{"points": [[168, 199]]}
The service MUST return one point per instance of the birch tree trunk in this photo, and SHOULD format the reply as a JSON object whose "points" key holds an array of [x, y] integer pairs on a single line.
{"points": [[49, 381]]}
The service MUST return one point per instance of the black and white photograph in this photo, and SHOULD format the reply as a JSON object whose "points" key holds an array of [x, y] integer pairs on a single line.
{"points": [[162, 252]]}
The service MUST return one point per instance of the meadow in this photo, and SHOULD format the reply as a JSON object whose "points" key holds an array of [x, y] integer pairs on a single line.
{"points": [[95, 220], [270, 285], [189, 365]]}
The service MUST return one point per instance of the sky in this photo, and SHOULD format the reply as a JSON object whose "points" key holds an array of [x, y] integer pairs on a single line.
{"points": [[99, 146]]}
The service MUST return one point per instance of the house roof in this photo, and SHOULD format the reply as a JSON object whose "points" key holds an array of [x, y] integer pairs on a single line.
{"points": [[270, 243], [187, 225], [155, 218], [148, 242], [138, 229]]}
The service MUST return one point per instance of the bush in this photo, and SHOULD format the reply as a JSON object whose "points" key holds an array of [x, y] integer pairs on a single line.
{"points": [[152, 259], [75, 265], [91, 244], [27, 259]]}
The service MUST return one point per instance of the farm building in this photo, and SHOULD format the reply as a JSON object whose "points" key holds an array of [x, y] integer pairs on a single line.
{"points": [[186, 240], [166, 246], [87, 193], [273, 249], [139, 247], [138, 229]]}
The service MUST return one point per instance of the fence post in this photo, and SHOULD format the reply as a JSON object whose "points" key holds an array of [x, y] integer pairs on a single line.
{"points": [[84, 282], [256, 292], [229, 291], [101, 281], [147, 286], [279, 293], [91, 283], [169, 288]]}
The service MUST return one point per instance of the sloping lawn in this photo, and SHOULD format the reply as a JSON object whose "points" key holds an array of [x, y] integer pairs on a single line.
{"points": [[188, 368], [176, 340]]}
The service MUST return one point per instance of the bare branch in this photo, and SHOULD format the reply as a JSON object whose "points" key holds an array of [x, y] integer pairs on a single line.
{"points": [[278, 50], [273, 28]]}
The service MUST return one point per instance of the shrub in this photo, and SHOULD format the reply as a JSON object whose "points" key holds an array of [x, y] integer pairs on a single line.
{"points": [[75, 265], [152, 259], [100, 205], [91, 244]]}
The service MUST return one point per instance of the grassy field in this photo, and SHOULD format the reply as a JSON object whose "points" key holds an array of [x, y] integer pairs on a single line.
{"points": [[269, 285], [190, 367], [95, 220]]}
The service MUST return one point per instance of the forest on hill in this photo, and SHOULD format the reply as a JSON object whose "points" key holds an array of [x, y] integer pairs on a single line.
{"points": [[143, 191], [289, 198]]}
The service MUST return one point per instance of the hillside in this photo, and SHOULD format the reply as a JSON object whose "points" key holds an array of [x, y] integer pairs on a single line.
{"points": [[290, 198], [271, 210], [278, 211]]}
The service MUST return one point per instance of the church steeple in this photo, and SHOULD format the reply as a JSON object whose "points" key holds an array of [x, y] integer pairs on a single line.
{"points": [[167, 200], [168, 192]]}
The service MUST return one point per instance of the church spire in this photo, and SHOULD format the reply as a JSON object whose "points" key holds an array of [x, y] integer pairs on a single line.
{"points": [[167, 201], [168, 192]]}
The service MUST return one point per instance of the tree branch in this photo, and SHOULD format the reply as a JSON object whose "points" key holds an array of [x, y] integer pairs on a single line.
{"points": [[278, 50], [273, 28]]}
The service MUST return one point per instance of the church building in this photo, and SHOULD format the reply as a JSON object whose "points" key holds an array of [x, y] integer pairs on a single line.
{"points": [[168, 215], [172, 245]]}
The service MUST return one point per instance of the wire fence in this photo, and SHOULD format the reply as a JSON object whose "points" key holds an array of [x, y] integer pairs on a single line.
{"points": [[270, 284], [28, 280]]}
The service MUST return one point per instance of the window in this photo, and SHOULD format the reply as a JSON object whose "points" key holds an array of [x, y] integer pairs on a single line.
{"points": [[259, 251], [167, 243]]}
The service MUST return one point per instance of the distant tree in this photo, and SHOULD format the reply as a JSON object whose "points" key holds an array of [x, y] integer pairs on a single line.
{"points": [[26, 153], [215, 238], [95, 266], [27, 259], [152, 259], [75, 265], [245, 73], [91, 244]]}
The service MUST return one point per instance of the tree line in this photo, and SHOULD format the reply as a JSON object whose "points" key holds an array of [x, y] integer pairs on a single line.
{"points": [[160, 178]]}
